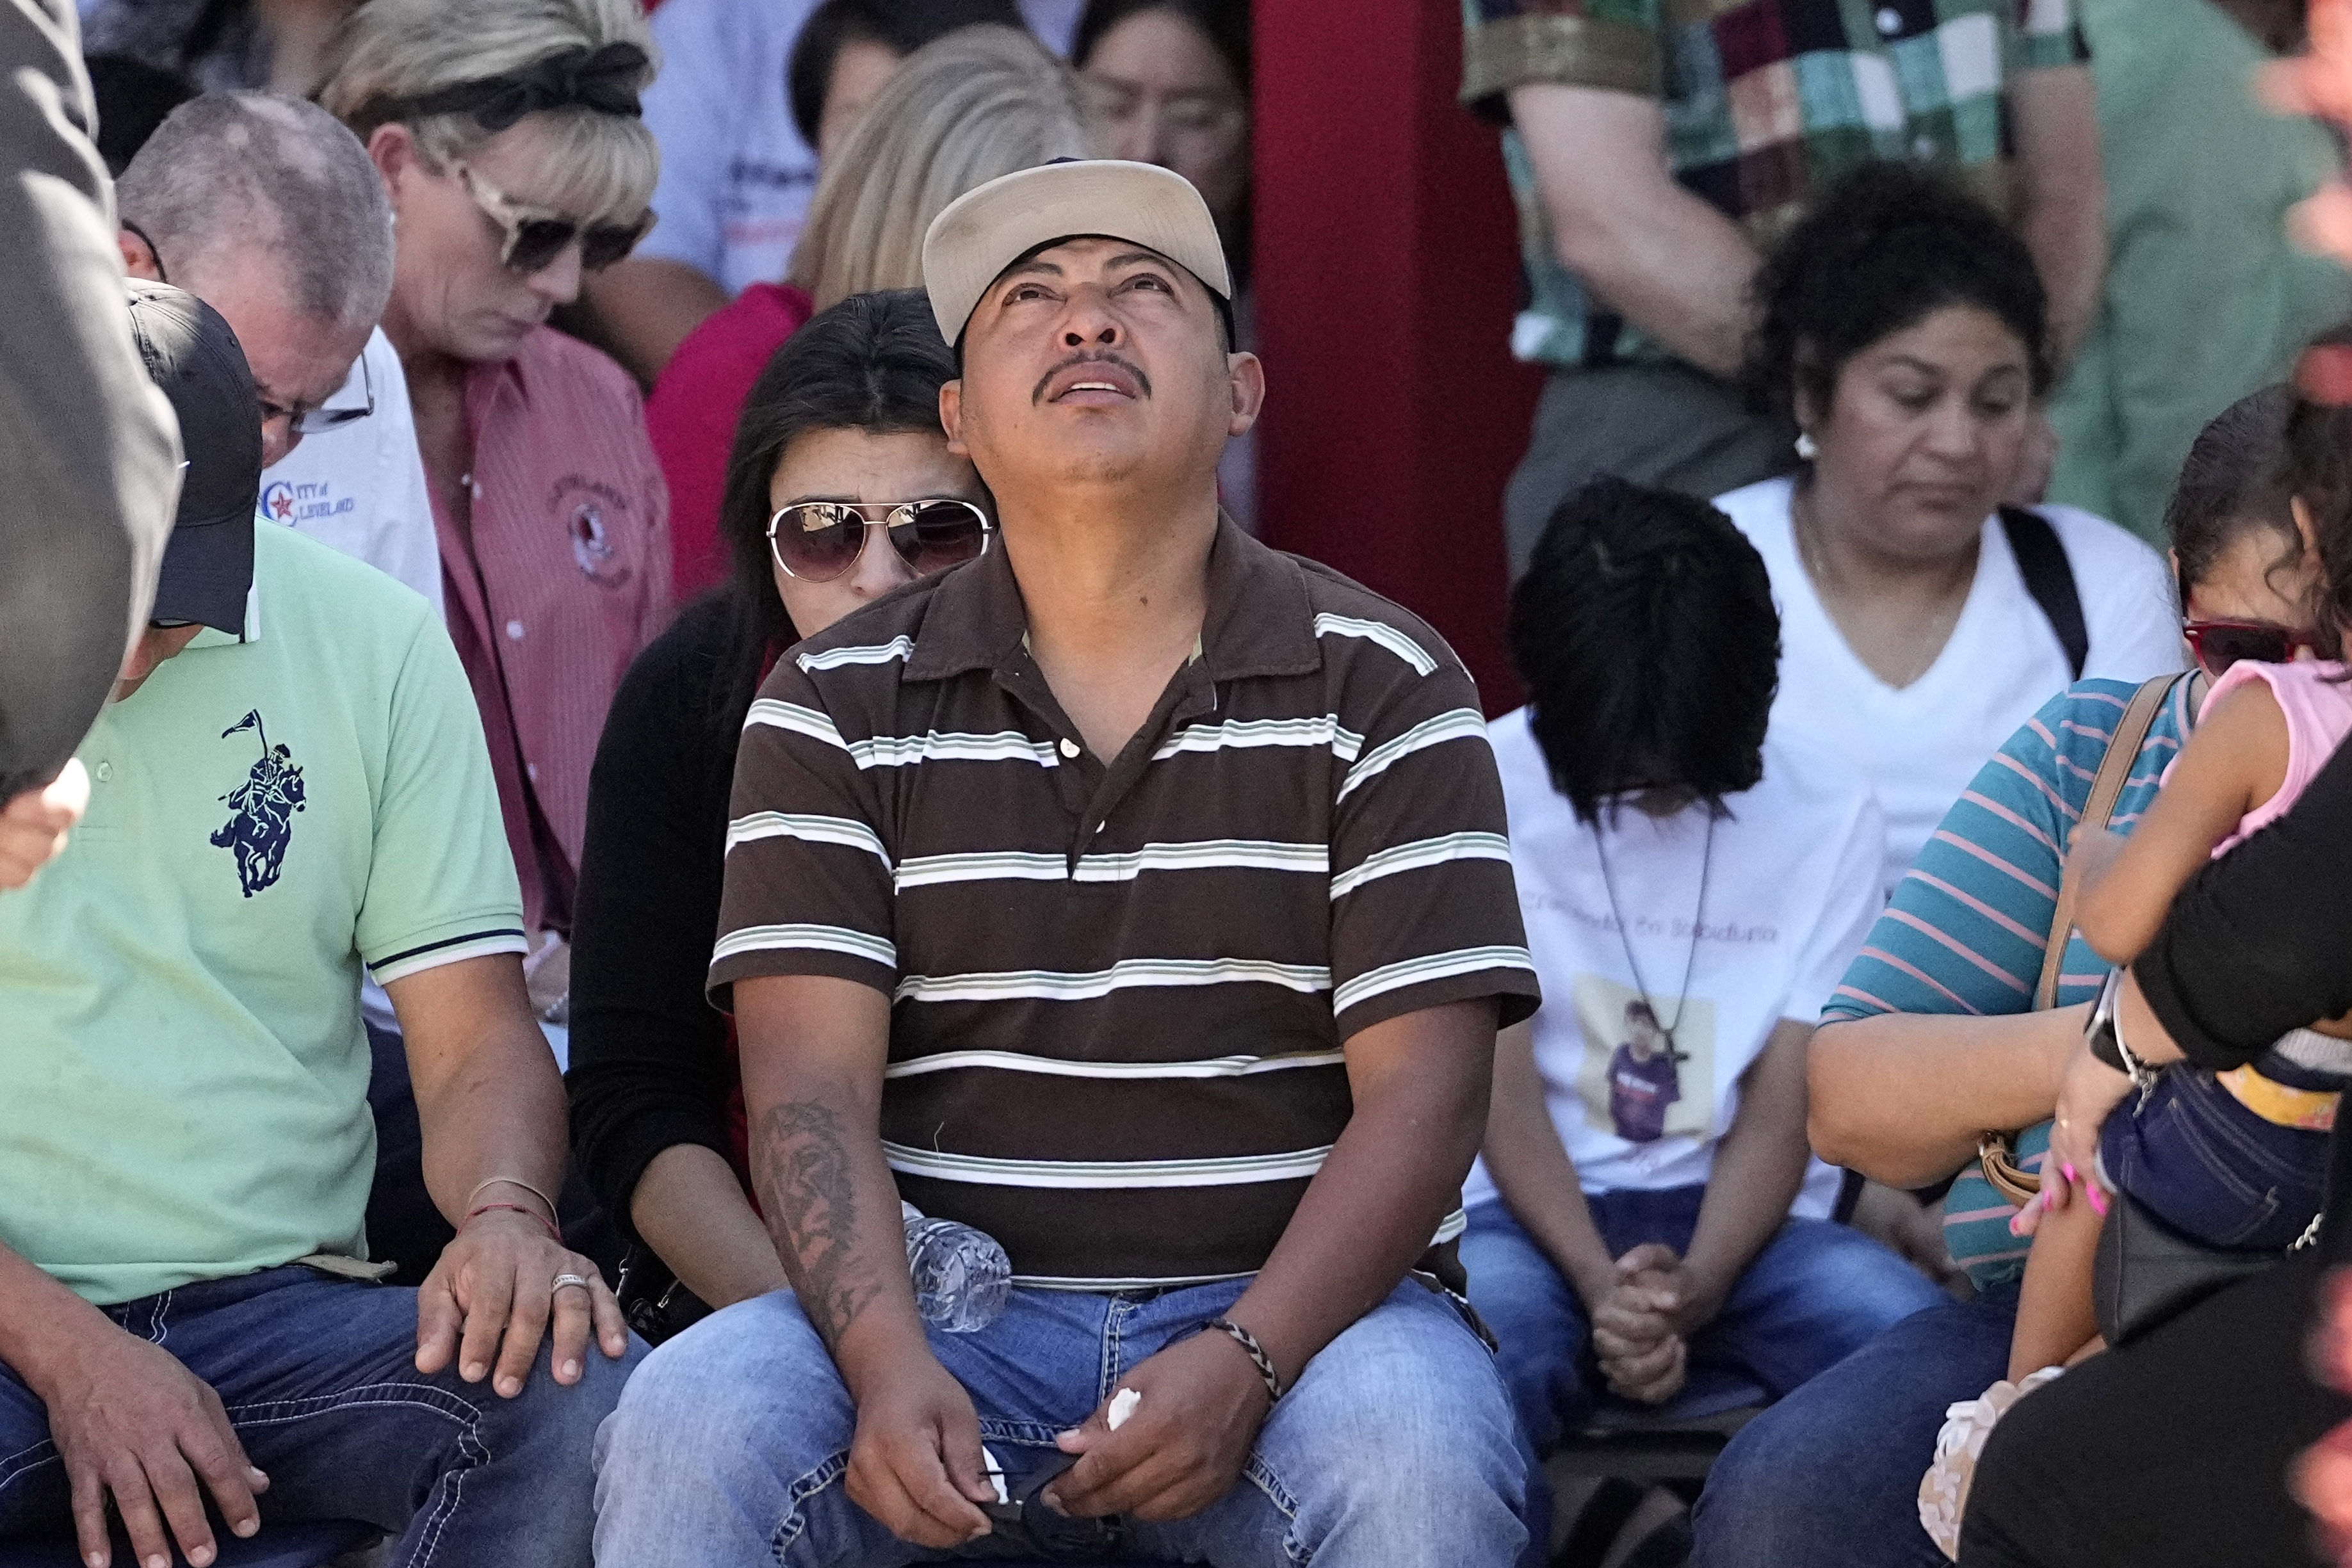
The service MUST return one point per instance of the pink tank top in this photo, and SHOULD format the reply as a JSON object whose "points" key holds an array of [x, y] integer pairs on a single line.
{"points": [[2317, 701]]}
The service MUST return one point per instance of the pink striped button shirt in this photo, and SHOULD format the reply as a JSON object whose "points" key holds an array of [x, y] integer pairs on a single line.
{"points": [[564, 578]]}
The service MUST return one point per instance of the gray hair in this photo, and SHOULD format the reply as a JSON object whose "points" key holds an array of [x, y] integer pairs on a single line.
{"points": [[601, 167], [231, 174]]}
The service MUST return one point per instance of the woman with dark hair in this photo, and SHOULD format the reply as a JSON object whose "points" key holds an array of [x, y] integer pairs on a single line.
{"points": [[848, 48], [840, 487], [1902, 331], [1168, 82], [1639, 1221], [1940, 1033]]}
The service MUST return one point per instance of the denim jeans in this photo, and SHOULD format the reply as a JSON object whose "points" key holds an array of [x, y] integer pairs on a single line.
{"points": [[1394, 1449], [319, 1379], [1829, 1476], [1816, 1293], [2210, 1168]]}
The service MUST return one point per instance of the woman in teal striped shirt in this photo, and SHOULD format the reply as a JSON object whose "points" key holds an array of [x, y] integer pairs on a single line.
{"points": [[1931, 1039]]}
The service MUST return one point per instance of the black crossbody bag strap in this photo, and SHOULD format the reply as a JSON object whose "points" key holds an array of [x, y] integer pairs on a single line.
{"points": [[2049, 578]]}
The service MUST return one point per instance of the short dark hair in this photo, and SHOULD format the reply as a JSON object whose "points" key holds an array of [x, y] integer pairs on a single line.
{"points": [[2232, 483], [903, 26], [873, 363], [1883, 250], [1645, 632], [2317, 468]]}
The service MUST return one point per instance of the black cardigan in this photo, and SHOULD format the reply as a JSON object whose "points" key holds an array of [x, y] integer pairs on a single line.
{"points": [[2260, 942], [649, 1064]]}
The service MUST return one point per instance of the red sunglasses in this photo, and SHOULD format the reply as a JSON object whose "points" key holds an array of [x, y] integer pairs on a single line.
{"points": [[2218, 644]]}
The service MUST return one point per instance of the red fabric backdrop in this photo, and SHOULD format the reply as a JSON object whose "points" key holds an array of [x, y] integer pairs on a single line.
{"points": [[1387, 274]]}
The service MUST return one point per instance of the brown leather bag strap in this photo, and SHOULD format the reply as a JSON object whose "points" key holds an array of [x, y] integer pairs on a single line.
{"points": [[2115, 768]]}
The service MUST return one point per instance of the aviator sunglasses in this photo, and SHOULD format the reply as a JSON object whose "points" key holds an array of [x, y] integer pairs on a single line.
{"points": [[817, 541], [535, 235]]}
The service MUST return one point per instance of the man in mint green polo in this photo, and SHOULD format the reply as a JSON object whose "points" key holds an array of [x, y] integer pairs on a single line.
{"points": [[290, 785]]}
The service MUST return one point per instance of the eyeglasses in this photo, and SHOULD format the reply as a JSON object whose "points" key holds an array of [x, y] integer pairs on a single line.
{"points": [[817, 541], [536, 235], [318, 421]]}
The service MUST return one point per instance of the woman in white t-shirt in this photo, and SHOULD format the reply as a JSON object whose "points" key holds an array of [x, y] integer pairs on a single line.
{"points": [[1692, 891], [1902, 329]]}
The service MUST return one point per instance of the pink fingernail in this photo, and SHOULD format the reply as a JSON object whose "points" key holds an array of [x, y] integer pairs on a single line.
{"points": [[2098, 1199], [2068, 1166]]}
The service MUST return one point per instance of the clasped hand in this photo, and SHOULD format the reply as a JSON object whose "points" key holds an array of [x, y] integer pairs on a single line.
{"points": [[1642, 1322], [2087, 1096]]}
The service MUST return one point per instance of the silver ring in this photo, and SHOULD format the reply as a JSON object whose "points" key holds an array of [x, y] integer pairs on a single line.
{"points": [[564, 1279]]}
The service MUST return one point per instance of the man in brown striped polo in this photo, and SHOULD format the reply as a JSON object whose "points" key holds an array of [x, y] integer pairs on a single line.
{"points": [[1139, 895]]}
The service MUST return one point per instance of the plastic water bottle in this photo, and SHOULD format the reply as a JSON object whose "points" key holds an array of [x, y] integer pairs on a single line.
{"points": [[963, 1277]]}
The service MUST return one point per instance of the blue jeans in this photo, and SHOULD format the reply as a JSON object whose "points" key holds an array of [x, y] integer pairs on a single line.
{"points": [[1394, 1449], [319, 1379], [1815, 1294], [1829, 1476], [2210, 1168]]}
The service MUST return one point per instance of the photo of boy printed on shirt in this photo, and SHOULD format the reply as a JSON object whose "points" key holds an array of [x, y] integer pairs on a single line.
{"points": [[1637, 1081]]}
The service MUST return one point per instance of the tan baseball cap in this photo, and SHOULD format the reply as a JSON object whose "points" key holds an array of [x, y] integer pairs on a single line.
{"points": [[987, 229]]}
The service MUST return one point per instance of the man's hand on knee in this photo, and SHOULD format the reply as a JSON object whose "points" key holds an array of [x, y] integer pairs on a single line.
{"points": [[915, 1464], [493, 1295], [1201, 1404], [131, 1423]]}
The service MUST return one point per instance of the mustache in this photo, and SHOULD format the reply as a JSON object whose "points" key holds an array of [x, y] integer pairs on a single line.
{"points": [[1091, 357]]}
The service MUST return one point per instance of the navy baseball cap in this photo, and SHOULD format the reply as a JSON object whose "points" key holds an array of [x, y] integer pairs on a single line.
{"points": [[191, 354]]}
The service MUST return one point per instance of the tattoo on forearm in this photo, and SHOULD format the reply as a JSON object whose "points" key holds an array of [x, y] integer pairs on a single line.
{"points": [[801, 1162]]}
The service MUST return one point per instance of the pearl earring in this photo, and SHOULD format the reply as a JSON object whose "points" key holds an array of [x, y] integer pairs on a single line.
{"points": [[1807, 448]]}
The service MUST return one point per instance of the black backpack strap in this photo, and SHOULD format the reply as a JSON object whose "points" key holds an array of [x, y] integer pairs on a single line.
{"points": [[2049, 578]]}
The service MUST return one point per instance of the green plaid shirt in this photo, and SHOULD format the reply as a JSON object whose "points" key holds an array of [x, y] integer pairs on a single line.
{"points": [[1765, 101]]}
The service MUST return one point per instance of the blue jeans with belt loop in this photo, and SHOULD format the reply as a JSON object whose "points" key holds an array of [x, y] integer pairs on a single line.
{"points": [[319, 1378], [1393, 1451]]}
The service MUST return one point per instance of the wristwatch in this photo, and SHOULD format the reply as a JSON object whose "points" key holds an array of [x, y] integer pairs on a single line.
{"points": [[2104, 1035]]}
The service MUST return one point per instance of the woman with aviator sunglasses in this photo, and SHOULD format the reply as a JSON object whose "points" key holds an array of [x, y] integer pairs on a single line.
{"points": [[840, 488], [507, 135]]}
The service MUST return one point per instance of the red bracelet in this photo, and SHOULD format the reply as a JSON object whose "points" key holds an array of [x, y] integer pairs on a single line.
{"points": [[473, 1215]]}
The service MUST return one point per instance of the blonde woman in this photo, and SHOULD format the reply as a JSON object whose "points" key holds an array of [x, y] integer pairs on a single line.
{"points": [[507, 133], [981, 102]]}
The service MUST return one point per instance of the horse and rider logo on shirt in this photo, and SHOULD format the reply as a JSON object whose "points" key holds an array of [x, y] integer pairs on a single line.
{"points": [[1637, 1079], [261, 820]]}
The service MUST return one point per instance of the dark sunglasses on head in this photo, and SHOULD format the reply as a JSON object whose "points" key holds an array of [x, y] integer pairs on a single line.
{"points": [[817, 541], [2218, 644], [535, 237]]}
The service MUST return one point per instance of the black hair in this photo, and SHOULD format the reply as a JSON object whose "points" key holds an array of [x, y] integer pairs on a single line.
{"points": [[1884, 249], [132, 98], [903, 26], [1226, 25], [873, 363], [1645, 632], [2317, 468], [2234, 481]]}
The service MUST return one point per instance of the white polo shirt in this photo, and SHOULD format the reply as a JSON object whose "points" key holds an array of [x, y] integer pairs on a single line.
{"points": [[361, 489], [1791, 888]]}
